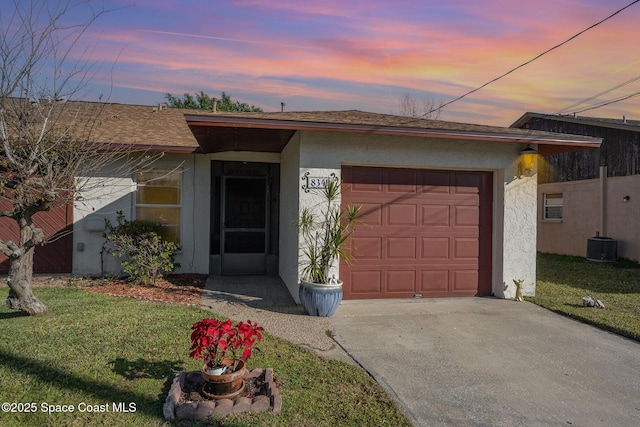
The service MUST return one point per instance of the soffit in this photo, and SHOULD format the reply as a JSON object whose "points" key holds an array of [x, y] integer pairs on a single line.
{"points": [[270, 132]]}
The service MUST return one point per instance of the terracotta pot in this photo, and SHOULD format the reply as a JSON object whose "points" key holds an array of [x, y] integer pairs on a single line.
{"points": [[227, 385]]}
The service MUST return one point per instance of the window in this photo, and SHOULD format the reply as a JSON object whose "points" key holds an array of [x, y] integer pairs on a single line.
{"points": [[159, 198], [552, 207]]}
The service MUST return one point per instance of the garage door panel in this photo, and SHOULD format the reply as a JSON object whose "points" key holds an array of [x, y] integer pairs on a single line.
{"points": [[422, 234], [467, 216], [399, 248], [364, 187], [435, 182], [467, 183], [402, 215], [401, 181], [371, 213], [465, 281], [436, 215], [465, 248], [432, 281], [400, 281], [365, 282], [367, 248], [434, 248], [366, 179]]}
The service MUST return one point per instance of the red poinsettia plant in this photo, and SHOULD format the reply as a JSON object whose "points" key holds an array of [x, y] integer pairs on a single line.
{"points": [[212, 339]]}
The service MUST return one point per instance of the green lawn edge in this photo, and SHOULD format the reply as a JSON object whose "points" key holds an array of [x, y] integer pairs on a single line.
{"points": [[563, 280], [99, 351]]}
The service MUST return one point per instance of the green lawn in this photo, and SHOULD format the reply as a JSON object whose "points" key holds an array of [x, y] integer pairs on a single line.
{"points": [[90, 350], [564, 280]]}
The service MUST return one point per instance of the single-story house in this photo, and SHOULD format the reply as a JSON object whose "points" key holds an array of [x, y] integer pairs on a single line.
{"points": [[588, 193], [450, 208]]}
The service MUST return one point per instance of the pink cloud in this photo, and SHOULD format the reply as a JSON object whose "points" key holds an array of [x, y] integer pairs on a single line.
{"points": [[466, 45]]}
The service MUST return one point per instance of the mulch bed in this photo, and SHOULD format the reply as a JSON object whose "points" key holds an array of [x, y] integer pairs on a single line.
{"points": [[183, 289]]}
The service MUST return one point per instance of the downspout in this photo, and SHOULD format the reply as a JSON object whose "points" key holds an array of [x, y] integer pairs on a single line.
{"points": [[603, 201]]}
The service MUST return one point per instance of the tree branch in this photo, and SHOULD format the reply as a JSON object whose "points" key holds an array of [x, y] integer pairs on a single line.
{"points": [[9, 248]]}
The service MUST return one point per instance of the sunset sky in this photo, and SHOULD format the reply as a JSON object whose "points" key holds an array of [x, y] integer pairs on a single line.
{"points": [[366, 54]]}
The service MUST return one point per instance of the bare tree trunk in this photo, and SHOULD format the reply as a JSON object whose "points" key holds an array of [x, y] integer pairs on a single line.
{"points": [[21, 296]]}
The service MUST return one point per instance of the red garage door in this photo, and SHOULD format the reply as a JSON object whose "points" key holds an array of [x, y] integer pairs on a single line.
{"points": [[426, 232], [55, 256]]}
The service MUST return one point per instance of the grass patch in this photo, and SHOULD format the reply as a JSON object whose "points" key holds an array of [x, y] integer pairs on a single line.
{"points": [[95, 350], [564, 280]]}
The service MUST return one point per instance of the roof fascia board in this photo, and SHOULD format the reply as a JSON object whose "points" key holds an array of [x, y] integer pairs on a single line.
{"points": [[241, 122], [152, 148]]}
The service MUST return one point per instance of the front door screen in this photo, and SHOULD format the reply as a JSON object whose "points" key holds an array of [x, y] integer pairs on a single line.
{"points": [[244, 225]]}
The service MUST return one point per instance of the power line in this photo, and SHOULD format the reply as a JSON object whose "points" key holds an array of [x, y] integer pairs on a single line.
{"points": [[531, 60], [605, 103], [604, 92]]}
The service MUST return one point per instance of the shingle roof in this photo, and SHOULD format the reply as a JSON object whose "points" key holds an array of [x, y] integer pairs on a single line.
{"points": [[145, 126], [170, 129]]}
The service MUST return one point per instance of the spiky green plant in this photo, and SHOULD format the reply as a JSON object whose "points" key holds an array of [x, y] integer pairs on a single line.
{"points": [[325, 231]]}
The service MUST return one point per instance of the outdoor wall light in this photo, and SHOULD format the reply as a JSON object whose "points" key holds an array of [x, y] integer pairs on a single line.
{"points": [[626, 199], [528, 156]]}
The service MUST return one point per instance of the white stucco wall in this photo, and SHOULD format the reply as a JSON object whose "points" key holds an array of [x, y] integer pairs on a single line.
{"points": [[289, 211], [105, 195], [114, 190], [519, 207], [196, 213], [315, 201]]}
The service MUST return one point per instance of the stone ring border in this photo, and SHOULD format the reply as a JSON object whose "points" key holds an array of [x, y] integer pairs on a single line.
{"points": [[173, 409]]}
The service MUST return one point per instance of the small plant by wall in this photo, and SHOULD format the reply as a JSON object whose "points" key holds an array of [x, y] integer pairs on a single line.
{"points": [[145, 253]]}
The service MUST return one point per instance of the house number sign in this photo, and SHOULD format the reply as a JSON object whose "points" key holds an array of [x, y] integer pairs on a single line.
{"points": [[316, 182]]}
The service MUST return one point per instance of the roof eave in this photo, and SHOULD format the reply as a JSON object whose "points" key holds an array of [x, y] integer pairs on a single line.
{"points": [[244, 122], [151, 148]]}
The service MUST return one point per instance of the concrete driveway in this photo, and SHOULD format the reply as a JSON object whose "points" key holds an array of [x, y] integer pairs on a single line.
{"points": [[491, 362]]}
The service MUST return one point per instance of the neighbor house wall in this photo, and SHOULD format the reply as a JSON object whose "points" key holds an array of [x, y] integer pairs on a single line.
{"points": [[622, 216], [514, 250], [582, 216]]}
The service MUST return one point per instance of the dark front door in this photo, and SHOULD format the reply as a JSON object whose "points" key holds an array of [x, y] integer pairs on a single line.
{"points": [[244, 225], [244, 217]]}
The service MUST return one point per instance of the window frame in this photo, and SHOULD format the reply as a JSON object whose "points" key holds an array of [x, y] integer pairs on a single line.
{"points": [[164, 171], [546, 197]]}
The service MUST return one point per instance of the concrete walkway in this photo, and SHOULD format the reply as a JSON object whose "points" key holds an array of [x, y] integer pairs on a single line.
{"points": [[458, 361], [491, 362], [266, 300]]}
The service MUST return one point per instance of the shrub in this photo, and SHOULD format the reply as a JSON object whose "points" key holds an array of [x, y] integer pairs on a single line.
{"points": [[142, 246]]}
